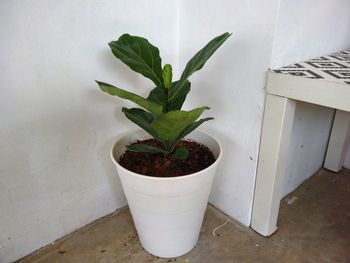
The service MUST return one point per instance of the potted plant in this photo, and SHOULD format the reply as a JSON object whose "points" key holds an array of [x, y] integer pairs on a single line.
{"points": [[166, 179]]}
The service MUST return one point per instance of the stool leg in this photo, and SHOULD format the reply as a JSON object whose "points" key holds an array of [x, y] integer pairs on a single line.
{"points": [[338, 141], [276, 130]]}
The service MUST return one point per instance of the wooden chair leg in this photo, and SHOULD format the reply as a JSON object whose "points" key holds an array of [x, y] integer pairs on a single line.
{"points": [[276, 130], [338, 141]]}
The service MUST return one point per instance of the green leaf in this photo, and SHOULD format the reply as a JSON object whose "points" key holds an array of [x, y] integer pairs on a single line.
{"points": [[199, 59], [149, 105], [180, 154], [170, 125], [143, 119], [196, 63], [167, 75], [146, 116], [157, 95], [189, 128], [145, 148], [178, 101], [140, 55]]}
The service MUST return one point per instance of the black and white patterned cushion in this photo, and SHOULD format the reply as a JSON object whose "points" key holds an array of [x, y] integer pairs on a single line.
{"points": [[335, 67]]}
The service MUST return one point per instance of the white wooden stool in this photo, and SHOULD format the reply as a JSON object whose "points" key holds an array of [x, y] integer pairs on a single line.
{"points": [[324, 81]]}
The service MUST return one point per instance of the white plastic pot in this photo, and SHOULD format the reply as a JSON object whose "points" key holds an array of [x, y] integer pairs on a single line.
{"points": [[167, 212]]}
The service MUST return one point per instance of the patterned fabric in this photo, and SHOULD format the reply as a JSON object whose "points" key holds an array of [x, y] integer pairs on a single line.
{"points": [[335, 67]]}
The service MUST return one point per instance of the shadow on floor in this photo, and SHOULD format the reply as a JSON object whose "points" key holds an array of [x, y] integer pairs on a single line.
{"points": [[314, 226]]}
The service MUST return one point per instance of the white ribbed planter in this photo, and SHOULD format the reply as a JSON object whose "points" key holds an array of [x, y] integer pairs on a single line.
{"points": [[167, 212]]}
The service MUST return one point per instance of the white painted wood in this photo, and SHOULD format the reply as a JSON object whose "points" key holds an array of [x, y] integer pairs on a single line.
{"points": [[282, 91], [277, 125], [318, 91], [338, 141]]}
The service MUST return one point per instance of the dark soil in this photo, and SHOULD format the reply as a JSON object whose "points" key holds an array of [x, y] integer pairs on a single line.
{"points": [[157, 165]]}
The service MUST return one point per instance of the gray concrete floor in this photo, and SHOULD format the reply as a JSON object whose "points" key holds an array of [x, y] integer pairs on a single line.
{"points": [[314, 226]]}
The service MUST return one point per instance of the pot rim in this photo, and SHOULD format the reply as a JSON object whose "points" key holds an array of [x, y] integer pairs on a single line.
{"points": [[123, 134]]}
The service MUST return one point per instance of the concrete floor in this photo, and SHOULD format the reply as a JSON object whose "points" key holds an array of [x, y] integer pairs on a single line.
{"points": [[314, 226]]}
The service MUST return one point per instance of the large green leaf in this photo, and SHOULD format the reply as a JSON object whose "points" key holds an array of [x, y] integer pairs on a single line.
{"points": [[170, 125], [140, 113], [143, 119], [192, 126], [157, 95], [196, 63], [199, 59], [177, 102], [140, 55], [149, 105]]}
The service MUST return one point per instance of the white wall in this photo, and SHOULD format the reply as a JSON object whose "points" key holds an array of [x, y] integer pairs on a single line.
{"points": [[308, 144], [307, 29], [232, 84], [56, 126]]}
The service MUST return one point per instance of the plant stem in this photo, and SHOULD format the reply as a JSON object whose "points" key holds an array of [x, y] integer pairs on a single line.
{"points": [[166, 93]]}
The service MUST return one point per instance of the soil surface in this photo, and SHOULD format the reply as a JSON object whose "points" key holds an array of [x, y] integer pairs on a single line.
{"points": [[157, 165]]}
